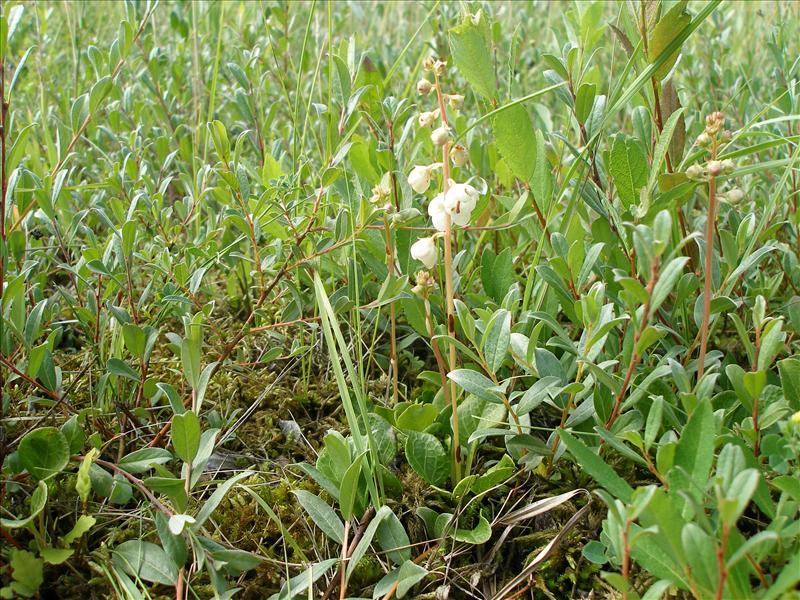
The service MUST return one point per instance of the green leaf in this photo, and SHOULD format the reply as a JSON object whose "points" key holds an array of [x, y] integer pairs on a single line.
{"points": [[474, 383], [38, 501], [410, 574], [44, 452], [366, 539], [666, 30], [627, 164], [496, 339], [542, 183], [28, 572], [322, 514], [700, 555], [789, 369], [516, 140], [146, 561], [666, 281], [417, 417], [393, 539], [596, 467], [695, 450], [143, 459], [427, 457], [584, 101], [471, 55], [349, 488], [82, 525], [56, 556], [480, 534], [83, 483], [135, 339], [299, 584], [213, 501], [186, 435], [115, 366]]}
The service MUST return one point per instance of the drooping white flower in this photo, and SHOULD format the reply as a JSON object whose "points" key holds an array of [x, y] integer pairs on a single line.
{"points": [[425, 251], [437, 212], [424, 87], [459, 155], [420, 178], [427, 118], [461, 197], [455, 101], [441, 135], [178, 522]]}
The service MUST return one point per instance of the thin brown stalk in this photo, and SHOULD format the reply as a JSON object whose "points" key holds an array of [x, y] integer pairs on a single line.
{"points": [[711, 219], [635, 358], [448, 280]]}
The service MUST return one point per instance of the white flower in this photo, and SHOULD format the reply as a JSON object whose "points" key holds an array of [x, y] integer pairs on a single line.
{"points": [[426, 119], [461, 197], [420, 178], [425, 251], [461, 218], [734, 196], [455, 101], [437, 212], [441, 135], [178, 522], [459, 155], [424, 87]]}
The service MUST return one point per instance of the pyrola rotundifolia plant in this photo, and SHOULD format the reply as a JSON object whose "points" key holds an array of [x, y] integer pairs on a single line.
{"points": [[452, 206]]}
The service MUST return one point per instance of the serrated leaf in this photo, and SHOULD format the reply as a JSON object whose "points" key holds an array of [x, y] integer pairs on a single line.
{"points": [[427, 457], [627, 164], [471, 54], [516, 140]]}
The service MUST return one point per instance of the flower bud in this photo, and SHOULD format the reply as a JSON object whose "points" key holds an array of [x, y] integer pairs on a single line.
{"points": [[382, 191], [424, 87], [704, 140], [714, 168], [440, 135], [425, 251], [427, 63], [695, 172], [439, 67], [728, 166], [734, 196], [456, 101], [420, 178], [459, 155], [427, 119], [425, 283]]}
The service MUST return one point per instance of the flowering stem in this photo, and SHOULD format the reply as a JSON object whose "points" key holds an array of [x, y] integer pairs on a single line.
{"points": [[712, 217], [448, 282], [392, 317]]}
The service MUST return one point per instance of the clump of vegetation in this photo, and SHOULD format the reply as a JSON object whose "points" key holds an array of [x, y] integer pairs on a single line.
{"points": [[433, 300]]}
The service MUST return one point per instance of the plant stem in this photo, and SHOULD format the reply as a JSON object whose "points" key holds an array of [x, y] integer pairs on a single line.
{"points": [[626, 557], [3, 179], [635, 358], [723, 570], [392, 315], [712, 217], [448, 282]]}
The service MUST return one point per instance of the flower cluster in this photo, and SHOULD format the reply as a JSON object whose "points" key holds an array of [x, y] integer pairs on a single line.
{"points": [[711, 136], [455, 204]]}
